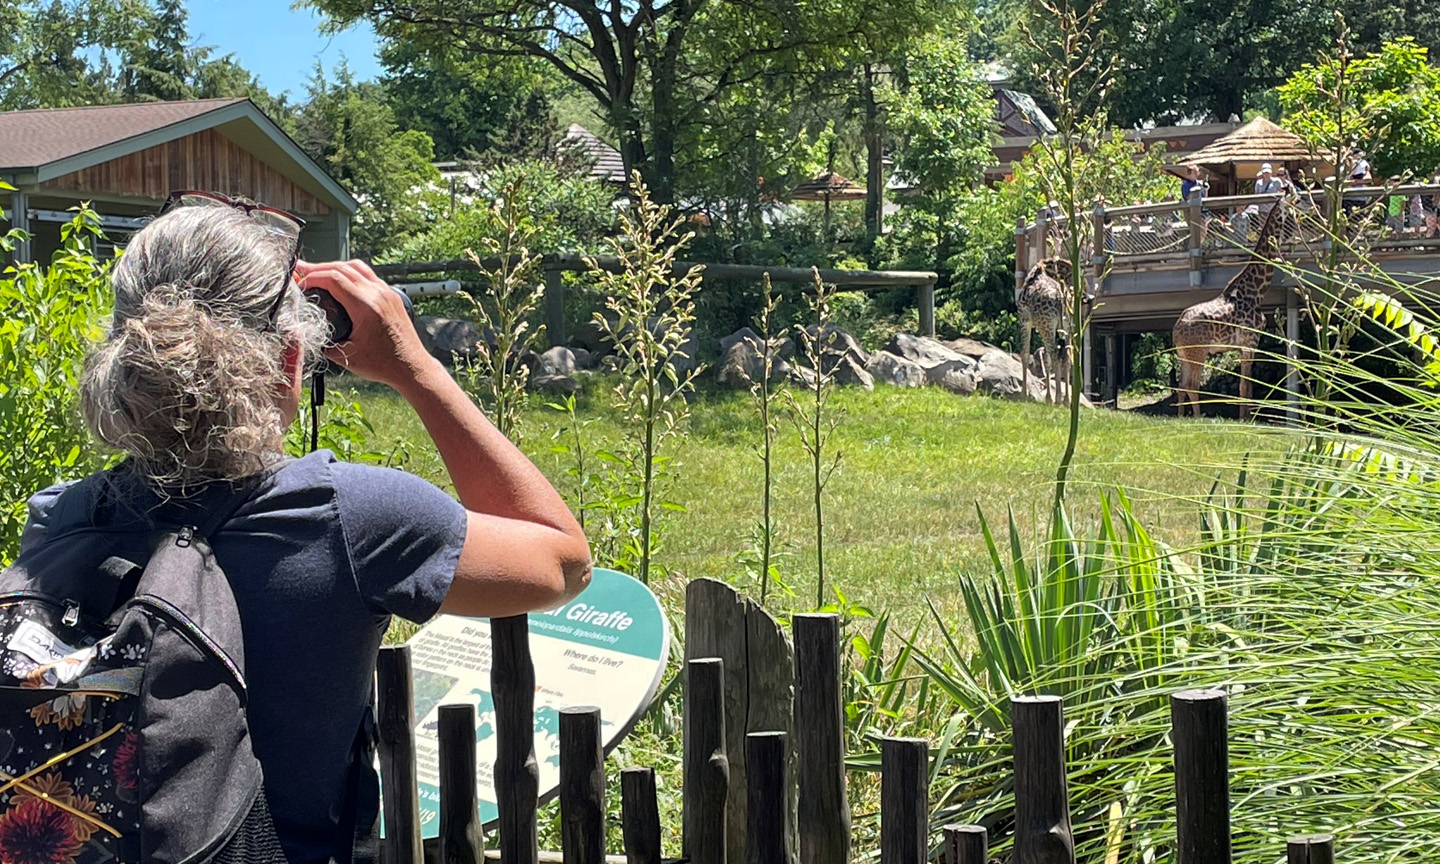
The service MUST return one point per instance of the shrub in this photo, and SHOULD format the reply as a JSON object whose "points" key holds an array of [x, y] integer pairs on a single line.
{"points": [[49, 317]]}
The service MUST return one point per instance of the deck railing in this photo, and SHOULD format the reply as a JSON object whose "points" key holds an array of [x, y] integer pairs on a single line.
{"points": [[1201, 233]]}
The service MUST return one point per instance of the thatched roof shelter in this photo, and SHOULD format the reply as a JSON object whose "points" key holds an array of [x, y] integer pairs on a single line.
{"points": [[1237, 157], [828, 186]]}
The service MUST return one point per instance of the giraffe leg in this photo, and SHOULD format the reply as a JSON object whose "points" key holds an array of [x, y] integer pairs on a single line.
{"points": [[1053, 363], [1247, 360], [1192, 369], [1025, 356]]}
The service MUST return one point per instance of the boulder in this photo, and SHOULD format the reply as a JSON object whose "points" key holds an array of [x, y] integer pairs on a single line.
{"points": [[583, 359], [610, 363], [743, 334], [744, 364], [970, 348], [999, 374], [957, 376], [445, 338], [592, 337], [919, 349], [562, 384], [849, 373], [802, 376], [559, 360], [836, 342], [895, 370]]}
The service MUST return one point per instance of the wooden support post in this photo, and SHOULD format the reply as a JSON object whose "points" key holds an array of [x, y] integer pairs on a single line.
{"points": [[1100, 257], [582, 786], [1042, 808], [1022, 252], [462, 839], [555, 305], [517, 776], [904, 800], [707, 770], [396, 725], [1292, 357], [1195, 220], [966, 844], [640, 816], [1087, 363], [765, 756], [1313, 849], [20, 220], [1112, 374], [925, 299], [824, 810], [1202, 777]]}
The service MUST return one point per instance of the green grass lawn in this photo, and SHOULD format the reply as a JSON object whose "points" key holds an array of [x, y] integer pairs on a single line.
{"points": [[901, 516]]}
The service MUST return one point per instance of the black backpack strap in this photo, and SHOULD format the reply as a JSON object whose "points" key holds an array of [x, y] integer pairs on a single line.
{"points": [[357, 836]]}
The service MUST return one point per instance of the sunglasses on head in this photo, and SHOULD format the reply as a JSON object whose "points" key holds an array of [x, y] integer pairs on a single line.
{"points": [[287, 225]]}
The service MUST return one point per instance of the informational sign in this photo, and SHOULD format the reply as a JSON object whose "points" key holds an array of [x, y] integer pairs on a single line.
{"points": [[605, 648]]}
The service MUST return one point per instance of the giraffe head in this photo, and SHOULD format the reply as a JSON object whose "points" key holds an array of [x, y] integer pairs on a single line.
{"points": [[1265, 243], [1058, 269]]}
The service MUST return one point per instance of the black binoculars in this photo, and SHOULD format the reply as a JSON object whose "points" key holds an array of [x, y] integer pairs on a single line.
{"points": [[339, 320]]}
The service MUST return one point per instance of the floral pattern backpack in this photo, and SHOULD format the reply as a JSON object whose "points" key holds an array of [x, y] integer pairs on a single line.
{"points": [[122, 698]]}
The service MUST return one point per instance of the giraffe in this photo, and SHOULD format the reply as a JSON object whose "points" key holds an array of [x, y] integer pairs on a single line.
{"points": [[1232, 320], [1042, 302]]}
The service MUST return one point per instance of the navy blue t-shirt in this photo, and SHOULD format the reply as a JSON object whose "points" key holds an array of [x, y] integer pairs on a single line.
{"points": [[319, 558]]}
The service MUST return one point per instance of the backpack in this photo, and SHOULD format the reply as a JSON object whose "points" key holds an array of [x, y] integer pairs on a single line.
{"points": [[122, 698]]}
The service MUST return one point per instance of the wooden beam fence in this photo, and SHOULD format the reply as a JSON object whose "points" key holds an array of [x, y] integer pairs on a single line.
{"points": [[555, 265], [1042, 822]]}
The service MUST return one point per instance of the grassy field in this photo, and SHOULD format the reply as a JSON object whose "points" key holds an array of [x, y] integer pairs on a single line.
{"points": [[901, 514]]}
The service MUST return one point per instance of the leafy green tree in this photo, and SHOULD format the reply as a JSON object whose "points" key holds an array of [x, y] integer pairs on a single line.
{"points": [[49, 48], [349, 128], [470, 105], [653, 67], [1390, 106], [943, 123]]}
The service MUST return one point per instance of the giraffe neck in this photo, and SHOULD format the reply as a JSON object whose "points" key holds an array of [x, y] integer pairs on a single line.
{"points": [[1254, 278]]}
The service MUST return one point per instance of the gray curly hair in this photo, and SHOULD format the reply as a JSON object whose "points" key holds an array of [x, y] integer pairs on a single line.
{"points": [[186, 384]]}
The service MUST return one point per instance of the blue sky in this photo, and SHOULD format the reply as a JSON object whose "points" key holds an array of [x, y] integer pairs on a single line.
{"points": [[278, 43]]}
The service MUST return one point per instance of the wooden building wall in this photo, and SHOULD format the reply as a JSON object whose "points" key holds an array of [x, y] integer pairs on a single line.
{"points": [[206, 160]]}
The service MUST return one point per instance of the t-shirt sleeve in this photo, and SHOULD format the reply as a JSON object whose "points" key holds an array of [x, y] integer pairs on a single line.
{"points": [[404, 537]]}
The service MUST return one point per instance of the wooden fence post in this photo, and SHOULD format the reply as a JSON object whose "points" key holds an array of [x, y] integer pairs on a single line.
{"points": [[1042, 808], [1313, 849], [462, 839], [517, 776], [1195, 221], [554, 304], [707, 769], [824, 809], [966, 844], [765, 838], [925, 300], [1202, 777], [640, 816], [904, 800], [582, 786], [396, 709]]}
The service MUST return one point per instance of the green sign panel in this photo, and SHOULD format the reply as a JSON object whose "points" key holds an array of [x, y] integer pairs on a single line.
{"points": [[605, 648]]}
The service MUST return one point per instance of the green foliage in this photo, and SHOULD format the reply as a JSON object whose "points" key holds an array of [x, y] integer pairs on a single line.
{"points": [[650, 318], [49, 317], [470, 106], [345, 431], [349, 128], [1389, 103], [558, 211], [765, 395]]}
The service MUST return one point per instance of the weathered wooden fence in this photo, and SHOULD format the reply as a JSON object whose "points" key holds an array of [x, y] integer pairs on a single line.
{"points": [[555, 265], [793, 792]]}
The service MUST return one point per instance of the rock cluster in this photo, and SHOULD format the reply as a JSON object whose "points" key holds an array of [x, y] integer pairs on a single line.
{"points": [[962, 366]]}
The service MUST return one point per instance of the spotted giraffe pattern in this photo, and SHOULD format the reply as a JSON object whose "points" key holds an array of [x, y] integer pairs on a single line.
{"points": [[1232, 320], [1043, 303]]}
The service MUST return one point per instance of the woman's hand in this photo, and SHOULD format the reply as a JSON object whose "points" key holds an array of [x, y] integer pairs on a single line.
{"points": [[384, 345]]}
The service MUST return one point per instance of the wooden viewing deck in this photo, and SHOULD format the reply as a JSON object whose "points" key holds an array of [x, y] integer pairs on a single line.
{"points": [[1159, 259]]}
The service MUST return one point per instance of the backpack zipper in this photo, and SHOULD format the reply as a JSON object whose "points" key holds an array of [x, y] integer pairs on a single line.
{"points": [[177, 618]]}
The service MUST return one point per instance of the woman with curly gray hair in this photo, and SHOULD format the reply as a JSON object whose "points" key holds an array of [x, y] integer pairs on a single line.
{"points": [[195, 384]]}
